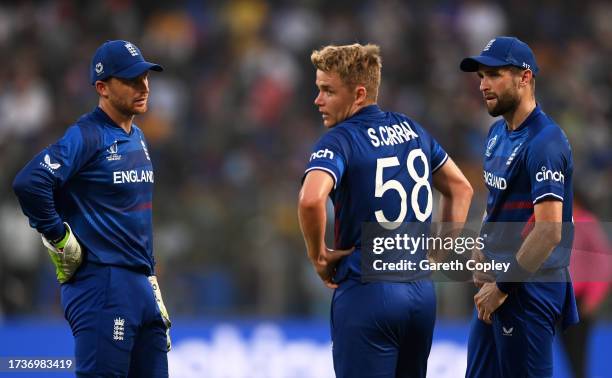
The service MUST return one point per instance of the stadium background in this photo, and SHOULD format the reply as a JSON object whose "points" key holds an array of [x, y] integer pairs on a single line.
{"points": [[230, 127]]}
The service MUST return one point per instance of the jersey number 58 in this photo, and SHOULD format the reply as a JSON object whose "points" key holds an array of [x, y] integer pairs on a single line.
{"points": [[419, 181]]}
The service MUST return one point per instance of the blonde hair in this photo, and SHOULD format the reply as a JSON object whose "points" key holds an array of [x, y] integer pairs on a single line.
{"points": [[355, 64]]}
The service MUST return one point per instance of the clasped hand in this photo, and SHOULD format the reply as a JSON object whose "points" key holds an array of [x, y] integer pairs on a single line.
{"points": [[326, 263]]}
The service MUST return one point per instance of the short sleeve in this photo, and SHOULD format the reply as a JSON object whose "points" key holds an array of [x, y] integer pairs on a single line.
{"points": [[437, 154], [329, 155], [548, 166]]}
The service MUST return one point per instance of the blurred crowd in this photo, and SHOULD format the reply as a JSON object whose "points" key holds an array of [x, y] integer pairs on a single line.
{"points": [[231, 123]]}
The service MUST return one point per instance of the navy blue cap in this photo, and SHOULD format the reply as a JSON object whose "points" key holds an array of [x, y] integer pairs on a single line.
{"points": [[502, 51], [119, 59]]}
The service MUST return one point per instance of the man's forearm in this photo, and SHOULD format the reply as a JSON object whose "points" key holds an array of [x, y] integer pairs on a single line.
{"points": [[538, 245], [313, 219], [456, 192], [455, 208], [456, 196], [453, 213]]}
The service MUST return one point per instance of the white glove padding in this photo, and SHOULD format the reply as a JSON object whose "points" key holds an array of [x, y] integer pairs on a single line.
{"points": [[162, 308], [67, 259]]}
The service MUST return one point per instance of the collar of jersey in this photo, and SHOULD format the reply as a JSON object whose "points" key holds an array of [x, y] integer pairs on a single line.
{"points": [[534, 113], [103, 117], [367, 110]]}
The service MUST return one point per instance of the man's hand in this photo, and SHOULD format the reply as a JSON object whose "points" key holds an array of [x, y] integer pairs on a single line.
{"points": [[480, 278], [488, 300], [326, 263], [66, 255]]}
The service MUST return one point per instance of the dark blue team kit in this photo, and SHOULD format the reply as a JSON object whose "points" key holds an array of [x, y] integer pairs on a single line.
{"points": [[377, 159], [521, 168], [385, 327], [99, 179], [109, 303]]}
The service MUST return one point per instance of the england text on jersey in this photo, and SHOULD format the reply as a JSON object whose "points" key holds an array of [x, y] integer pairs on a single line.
{"points": [[122, 177]]}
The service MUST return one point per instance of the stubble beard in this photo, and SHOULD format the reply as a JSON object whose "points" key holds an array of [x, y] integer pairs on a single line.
{"points": [[127, 109], [506, 103]]}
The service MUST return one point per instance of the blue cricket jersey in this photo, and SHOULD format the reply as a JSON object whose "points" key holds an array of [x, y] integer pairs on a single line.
{"points": [[521, 168], [381, 163], [98, 179]]}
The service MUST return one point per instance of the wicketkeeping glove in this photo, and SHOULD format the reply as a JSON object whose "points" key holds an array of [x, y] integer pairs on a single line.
{"points": [[162, 309], [66, 255]]}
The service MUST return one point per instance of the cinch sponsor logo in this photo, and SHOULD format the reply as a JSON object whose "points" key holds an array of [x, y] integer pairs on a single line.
{"points": [[495, 181], [132, 176], [547, 174], [322, 154]]}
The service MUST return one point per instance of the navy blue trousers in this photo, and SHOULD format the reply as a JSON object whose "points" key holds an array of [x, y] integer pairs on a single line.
{"points": [[117, 326], [382, 329]]}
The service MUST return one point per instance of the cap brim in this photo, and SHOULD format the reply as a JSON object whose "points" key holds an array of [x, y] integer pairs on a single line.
{"points": [[138, 69], [471, 64]]}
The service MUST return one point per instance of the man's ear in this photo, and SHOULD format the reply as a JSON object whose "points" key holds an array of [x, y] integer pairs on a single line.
{"points": [[526, 77], [101, 88], [361, 94]]}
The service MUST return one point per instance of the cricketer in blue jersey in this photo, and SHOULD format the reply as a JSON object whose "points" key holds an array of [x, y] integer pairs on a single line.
{"points": [[376, 166], [90, 195], [528, 171]]}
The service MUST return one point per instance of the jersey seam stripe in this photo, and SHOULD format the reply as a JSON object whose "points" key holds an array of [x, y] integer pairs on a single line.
{"points": [[548, 194], [441, 163], [326, 170]]}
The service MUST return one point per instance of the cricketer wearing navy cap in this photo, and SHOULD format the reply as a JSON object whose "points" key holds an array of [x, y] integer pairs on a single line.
{"points": [[528, 171], [502, 51], [90, 196], [120, 59]]}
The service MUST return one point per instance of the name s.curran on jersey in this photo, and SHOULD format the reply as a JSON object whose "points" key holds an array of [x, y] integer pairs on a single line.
{"points": [[391, 135]]}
